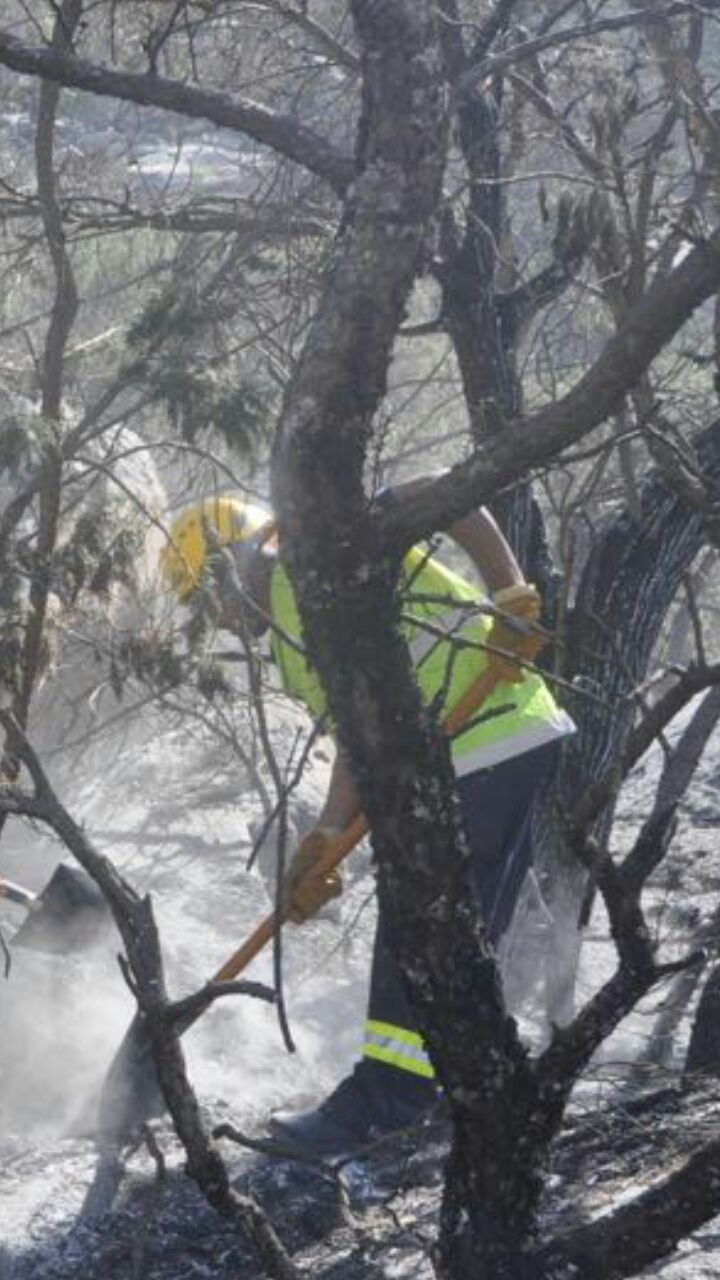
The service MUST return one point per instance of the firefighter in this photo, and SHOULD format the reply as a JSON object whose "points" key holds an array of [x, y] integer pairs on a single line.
{"points": [[501, 761]]}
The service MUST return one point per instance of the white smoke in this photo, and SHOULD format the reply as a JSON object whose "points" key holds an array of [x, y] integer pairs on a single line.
{"points": [[153, 813]]}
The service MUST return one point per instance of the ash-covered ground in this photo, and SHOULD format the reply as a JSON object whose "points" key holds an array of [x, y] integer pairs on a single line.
{"points": [[178, 818]]}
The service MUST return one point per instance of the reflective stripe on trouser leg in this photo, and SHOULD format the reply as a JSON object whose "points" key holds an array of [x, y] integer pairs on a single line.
{"points": [[390, 1025], [397, 1047]]}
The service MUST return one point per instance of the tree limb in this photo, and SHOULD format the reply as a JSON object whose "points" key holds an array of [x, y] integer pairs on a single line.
{"points": [[689, 683], [62, 317], [624, 1242], [279, 132], [266, 222], [134, 918], [191, 1006], [495, 65], [527, 441]]}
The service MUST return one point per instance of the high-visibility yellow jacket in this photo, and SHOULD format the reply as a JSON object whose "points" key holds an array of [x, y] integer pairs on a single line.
{"points": [[528, 715]]}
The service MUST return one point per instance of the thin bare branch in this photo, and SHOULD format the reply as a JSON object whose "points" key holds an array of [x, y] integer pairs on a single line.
{"points": [[496, 64], [321, 37], [189, 1008], [111, 217]]}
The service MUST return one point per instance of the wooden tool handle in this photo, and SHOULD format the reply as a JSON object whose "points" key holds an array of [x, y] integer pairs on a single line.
{"points": [[469, 703], [338, 851], [15, 893]]}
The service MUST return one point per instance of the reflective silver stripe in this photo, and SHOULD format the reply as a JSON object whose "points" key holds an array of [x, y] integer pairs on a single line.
{"points": [[449, 623], [396, 1050], [535, 734]]}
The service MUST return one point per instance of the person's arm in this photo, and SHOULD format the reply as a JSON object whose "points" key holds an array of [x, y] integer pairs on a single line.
{"points": [[304, 891], [481, 539], [342, 802]]}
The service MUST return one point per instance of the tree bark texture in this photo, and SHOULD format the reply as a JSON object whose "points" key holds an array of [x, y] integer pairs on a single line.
{"points": [[630, 580], [347, 594], [629, 583], [343, 565]]}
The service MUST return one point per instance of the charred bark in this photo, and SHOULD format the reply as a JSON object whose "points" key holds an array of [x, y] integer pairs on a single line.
{"points": [[629, 583], [347, 593], [630, 580], [703, 1055], [343, 559], [483, 331]]}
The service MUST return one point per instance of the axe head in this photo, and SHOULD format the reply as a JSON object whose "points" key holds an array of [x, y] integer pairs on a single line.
{"points": [[66, 916]]}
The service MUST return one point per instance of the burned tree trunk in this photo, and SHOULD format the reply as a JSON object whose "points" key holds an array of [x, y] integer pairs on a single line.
{"points": [[347, 592], [343, 564], [628, 585], [629, 582], [483, 332]]}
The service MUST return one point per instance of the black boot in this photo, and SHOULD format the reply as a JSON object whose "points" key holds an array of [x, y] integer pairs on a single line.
{"points": [[374, 1100]]}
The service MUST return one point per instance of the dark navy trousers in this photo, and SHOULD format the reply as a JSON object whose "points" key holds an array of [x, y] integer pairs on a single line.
{"points": [[497, 806]]}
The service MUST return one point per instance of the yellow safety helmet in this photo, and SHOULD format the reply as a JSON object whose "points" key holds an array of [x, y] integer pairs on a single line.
{"points": [[232, 519]]}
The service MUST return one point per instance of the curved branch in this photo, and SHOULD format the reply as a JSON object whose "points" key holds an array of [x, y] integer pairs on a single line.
{"points": [[191, 1007], [134, 918], [279, 132], [600, 793], [527, 441]]}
